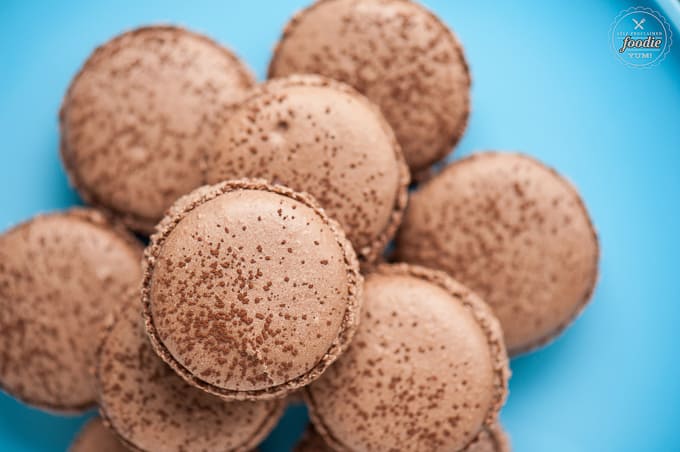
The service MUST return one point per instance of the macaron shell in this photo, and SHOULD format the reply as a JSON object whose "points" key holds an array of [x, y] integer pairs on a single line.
{"points": [[96, 437], [399, 55], [426, 370], [251, 291], [152, 409], [516, 233], [139, 116], [322, 137], [490, 439], [61, 277]]}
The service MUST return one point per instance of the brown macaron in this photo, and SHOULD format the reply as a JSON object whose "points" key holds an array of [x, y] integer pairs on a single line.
{"points": [[61, 277], [397, 53], [322, 137], [515, 232], [490, 439], [427, 368], [97, 437], [139, 116], [250, 290], [152, 409]]}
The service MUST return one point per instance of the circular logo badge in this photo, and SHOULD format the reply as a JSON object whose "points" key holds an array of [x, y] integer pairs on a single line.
{"points": [[641, 37]]}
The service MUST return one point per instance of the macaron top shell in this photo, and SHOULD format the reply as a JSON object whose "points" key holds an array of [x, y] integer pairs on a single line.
{"points": [[515, 232], [61, 277], [322, 137], [399, 55], [251, 291], [96, 437], [152, 409], [139, 116], [426, 370]]}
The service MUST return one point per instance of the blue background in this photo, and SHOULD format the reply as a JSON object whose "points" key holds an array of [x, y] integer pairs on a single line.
{"points": [[545, 82]]}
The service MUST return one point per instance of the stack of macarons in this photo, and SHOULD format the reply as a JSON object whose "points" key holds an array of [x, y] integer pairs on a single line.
{"points": [[266, 210]]}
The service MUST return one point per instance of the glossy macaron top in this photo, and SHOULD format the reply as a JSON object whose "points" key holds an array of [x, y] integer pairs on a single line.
{"points": [[251, 291], [399, 55], [427, 368], [61, 276], [515, 232], [152, 409], [322, 137], [139, 116], [96, 437]]}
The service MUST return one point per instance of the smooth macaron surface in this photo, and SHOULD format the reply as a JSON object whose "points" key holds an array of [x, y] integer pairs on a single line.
{"points": [[515, 232], [152, 409], [399, 55], [61, 277], [426, 370], [251, 291], [322, 137], [139, 116], [96, 437]]}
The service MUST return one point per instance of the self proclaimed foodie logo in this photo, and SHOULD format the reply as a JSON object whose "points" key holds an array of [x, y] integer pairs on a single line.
{"points": [[641, 37]]}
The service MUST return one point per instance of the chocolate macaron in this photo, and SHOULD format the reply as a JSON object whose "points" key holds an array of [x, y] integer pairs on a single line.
{"points": [[152, 409], [515, 232], [427, 368], [250, 290], [97, 437], [322, 137], [139, 116], [61, 277], [397, 53]]}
